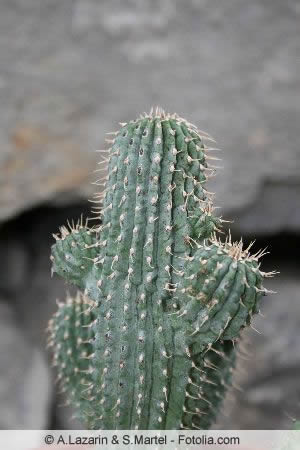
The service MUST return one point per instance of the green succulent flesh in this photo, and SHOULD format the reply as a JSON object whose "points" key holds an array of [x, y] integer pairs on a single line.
{"points": [[167, 300]]}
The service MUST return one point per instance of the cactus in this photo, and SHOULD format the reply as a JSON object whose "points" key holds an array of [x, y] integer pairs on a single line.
{"points": [[150, 343]]}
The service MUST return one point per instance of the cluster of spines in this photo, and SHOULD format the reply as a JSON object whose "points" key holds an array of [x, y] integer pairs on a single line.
{"points": [[209, 379], [224, 284]]}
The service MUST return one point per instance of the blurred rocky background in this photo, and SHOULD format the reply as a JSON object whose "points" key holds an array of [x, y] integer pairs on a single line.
{"points": [[70, 71]]}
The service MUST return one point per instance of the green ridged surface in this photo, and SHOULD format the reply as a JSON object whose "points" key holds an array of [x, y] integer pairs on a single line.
{"points": [[165, 296], [70, 336]]}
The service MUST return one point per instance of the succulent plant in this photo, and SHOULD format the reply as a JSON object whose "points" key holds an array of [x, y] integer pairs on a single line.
{"points": [[150, 341]]}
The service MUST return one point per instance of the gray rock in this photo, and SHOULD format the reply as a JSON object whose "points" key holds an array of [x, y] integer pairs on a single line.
{"points": [[232, 68], [25, 392], [274, 209]]}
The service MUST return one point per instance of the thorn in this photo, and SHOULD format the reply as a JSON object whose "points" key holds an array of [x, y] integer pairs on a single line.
{"points": [[255, 329], [237, 387], [211, 149], [213, 158]]}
